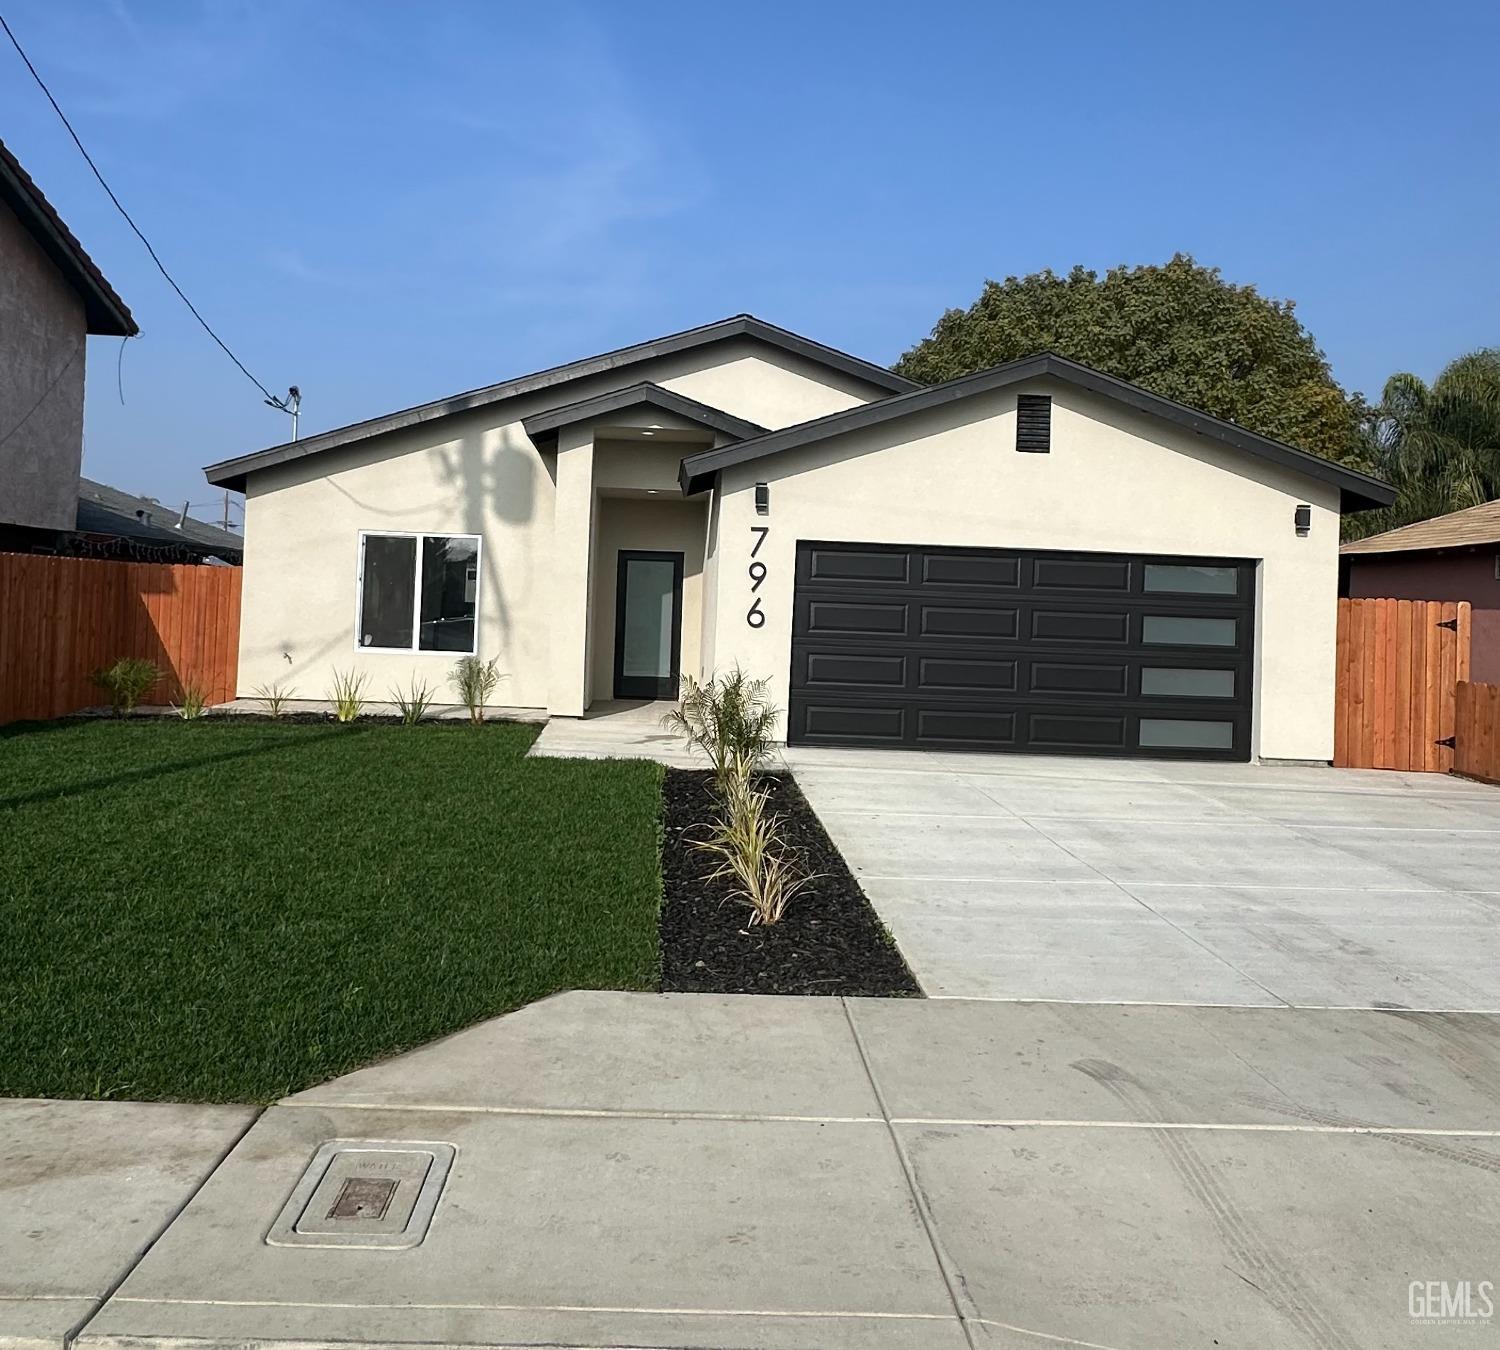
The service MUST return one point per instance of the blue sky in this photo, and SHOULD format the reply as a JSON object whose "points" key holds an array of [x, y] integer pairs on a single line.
{"points": [[387, 203]]}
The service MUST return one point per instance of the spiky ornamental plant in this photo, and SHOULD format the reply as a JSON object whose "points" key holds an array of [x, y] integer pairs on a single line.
{"points": [[273, 698], [347, 695], [413, 702], [127, 682], [747, 838], [475, 681], [193, 702], [730, 720]]}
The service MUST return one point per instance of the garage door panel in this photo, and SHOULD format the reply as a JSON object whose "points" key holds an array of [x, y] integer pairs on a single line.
{"points": [[835, 617], [1179, 681], [965, 727], [1083, 574], [1103, 678], [1019, 650], [850, 723], [858, 566], [1186, 733], [1074, 731], [970, 569], [946, 621], [854, 670], [1189, 630], [947, 674], [1090, 627]]}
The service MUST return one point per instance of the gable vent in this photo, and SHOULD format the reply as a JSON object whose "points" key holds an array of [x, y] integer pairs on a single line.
{"points": [[1034, 423]]}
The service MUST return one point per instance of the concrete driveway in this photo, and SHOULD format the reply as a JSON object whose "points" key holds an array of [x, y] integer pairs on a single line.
{"points": [[1024, 877]]}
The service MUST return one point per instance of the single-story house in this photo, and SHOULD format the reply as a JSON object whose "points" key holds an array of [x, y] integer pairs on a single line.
{"points": [[1037, 557], [1452, 557]]}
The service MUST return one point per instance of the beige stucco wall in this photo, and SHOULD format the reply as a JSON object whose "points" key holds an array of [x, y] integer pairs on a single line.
{"points": [[42, 335], [475, 473], [778, 395], [634, 522], [1114, 481]]}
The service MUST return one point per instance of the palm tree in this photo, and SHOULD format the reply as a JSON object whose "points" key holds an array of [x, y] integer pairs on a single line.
{"points": [[1439, 446]]}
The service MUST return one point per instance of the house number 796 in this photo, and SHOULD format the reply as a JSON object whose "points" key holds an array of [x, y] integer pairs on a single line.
{"points": [[756, 616]]}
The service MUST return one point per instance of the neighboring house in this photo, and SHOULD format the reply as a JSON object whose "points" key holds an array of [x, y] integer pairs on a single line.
{"points": [[1452, 557], [114, 524], [1037, 557], [52, 297]]}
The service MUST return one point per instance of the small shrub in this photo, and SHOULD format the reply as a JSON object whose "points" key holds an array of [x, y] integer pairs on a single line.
{"points": [[475, 681], [412, 703], [747, 838], [193, 703], [347, 695], [273, 698], [730, 719], [128, 681]]}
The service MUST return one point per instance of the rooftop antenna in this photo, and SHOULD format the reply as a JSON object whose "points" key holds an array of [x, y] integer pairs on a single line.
{"points": [[291, 405], [183, 517]]}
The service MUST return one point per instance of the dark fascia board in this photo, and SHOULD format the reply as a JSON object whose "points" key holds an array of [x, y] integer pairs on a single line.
{"points": [[1358, 491], [231, 473], [105, 314], [543, 427]]}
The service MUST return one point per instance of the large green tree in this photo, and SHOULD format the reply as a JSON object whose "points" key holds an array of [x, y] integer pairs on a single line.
{"points": [[1179, 330], [1438, 444]]}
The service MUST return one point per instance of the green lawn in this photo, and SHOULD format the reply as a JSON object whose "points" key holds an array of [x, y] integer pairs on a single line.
{"points": [[221, 911]]}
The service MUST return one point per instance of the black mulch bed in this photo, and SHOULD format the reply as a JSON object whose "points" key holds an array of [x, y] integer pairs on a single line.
{"points": [[828, 942]]}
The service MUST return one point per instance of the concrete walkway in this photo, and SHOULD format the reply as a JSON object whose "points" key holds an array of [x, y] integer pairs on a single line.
{"points": [[1005, 876], [617, 729], [690, 1171]]}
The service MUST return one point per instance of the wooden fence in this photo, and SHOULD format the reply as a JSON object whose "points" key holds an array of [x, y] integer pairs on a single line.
{"points": [[1477, 731], [1399, 663], [63, 618]]}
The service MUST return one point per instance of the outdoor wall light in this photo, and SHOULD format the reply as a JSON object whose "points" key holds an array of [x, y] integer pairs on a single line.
{"points": [[1303, 520], [762, 499]]}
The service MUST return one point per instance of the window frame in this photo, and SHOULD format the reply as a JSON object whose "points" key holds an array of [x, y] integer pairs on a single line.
{"points": [[416, 649]]}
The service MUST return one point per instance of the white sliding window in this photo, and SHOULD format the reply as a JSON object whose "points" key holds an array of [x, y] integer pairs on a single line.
{"points": [[418, 592]]}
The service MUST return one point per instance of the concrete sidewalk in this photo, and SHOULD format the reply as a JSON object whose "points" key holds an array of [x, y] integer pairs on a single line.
{"points": [[783, 1174], [85, 1187]]}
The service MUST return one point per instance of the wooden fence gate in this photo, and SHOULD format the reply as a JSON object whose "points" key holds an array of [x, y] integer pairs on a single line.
{"points": [[63, 618], [1477, 731], [1399, 662]]}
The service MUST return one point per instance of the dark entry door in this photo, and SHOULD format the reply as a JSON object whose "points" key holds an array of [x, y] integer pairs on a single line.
{"points": [[1005, 649], [648, 624]]}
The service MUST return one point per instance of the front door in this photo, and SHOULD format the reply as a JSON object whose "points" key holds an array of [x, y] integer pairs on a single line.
{"points": [[648, 624]]}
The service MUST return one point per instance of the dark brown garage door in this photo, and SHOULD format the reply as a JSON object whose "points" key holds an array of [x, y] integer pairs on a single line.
{"points": [[1000, 649]]}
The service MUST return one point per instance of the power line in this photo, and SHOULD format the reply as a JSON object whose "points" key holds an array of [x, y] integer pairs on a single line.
{"points": [[160, 267]]}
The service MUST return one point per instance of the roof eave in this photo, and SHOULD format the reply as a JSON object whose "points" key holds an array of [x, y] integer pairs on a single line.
{"points": [[1358, 491], [232, 473], [105, 314], [543, 427]]}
